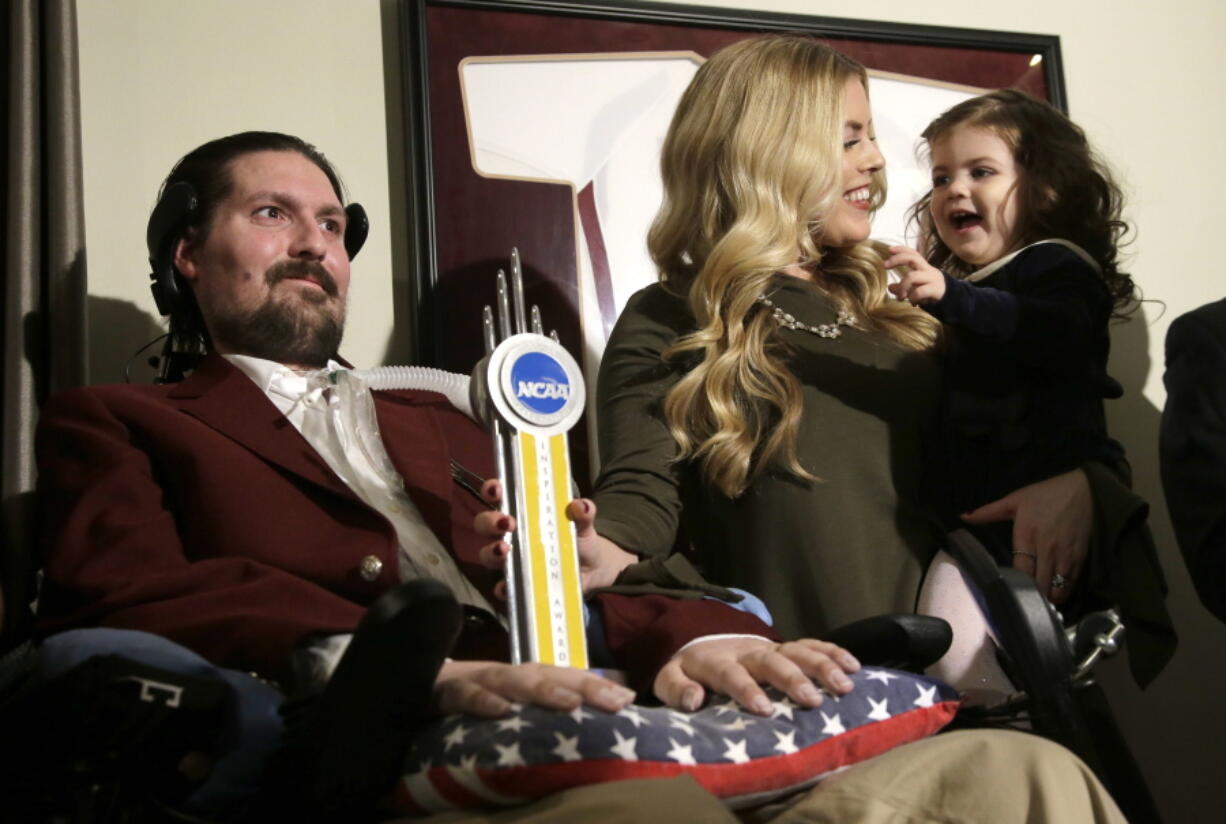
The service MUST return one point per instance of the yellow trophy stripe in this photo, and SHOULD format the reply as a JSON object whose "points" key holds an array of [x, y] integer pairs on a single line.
{"points": [[571, 583], [542, 629]]}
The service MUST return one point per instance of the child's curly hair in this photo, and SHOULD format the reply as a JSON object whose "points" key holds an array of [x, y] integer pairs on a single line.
{"points": [[1066, 191]]}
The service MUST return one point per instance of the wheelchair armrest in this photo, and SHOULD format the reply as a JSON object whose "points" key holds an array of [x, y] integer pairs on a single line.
{"points": [[1036, 652], [910, 642], [1029, 628]]}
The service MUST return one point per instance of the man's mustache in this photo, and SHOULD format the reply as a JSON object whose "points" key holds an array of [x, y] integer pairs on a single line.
{"points": [[303, 269]]}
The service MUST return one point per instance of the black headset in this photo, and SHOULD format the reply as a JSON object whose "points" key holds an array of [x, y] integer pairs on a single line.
{"points": [[177, 209]]}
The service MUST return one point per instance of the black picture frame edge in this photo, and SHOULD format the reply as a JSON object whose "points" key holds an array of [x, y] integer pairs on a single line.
{"points": [[419, 209], [419, 183]]}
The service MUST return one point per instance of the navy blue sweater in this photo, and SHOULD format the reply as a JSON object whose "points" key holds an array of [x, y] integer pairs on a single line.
{"points": [[1025, 377]]}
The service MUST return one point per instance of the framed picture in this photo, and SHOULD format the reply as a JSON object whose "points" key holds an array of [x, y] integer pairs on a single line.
{"points": [[536, 124]]}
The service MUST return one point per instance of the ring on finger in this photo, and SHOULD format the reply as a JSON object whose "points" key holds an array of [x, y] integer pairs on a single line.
{"points": [[1058, 581], [1029, 555]]}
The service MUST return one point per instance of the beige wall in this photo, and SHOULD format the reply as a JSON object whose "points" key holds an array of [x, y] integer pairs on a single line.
{"points": [[160, 77]]}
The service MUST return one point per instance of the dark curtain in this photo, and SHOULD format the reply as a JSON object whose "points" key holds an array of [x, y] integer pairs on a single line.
{"points": [[43, 247]]}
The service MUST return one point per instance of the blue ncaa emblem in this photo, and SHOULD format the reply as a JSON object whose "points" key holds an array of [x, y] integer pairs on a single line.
{"points": [[535, 384], [540, 382]]}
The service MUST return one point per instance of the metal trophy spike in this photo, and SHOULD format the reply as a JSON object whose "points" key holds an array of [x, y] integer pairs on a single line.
{"points": [[529, 392]]}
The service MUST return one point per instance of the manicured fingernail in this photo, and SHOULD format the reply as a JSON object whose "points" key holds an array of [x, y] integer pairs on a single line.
{"points": [[850, 662], [493, 705], [563, 696], [586, 506], [841, 681], [810, 694], [501, 550], [504, 524], [614, 697], [690, 699], [762, 705]]}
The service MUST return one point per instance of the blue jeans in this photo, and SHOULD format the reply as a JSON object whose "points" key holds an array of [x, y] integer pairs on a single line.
{"points": [[252, 729]]}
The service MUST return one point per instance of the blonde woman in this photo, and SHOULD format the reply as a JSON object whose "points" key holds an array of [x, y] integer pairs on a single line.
{"points": [[766, 394], [770, 398]]}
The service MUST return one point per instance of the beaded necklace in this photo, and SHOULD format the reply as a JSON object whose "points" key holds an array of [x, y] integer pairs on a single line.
{"points": [[822, 330]]}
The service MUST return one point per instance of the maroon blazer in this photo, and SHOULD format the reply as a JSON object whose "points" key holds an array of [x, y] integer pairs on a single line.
{"points": [[198, 512]]}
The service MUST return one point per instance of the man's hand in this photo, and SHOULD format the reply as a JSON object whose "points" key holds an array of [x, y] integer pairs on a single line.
{"points": [[600, 560], [736, 667], [488, 688], [1051, 529], [921, 283]]}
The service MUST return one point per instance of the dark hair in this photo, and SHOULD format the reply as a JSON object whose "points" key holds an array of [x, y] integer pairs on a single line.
{"points": [[1066, 191], [207, 168]]}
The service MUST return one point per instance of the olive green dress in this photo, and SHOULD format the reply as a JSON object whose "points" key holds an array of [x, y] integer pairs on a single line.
{"points": [[820, 553]]}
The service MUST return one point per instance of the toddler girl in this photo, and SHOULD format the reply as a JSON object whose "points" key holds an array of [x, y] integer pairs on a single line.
{"points": [[1021, 230]]}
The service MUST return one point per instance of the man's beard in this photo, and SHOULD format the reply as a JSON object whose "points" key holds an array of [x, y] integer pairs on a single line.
{"points": [[298, 329]]}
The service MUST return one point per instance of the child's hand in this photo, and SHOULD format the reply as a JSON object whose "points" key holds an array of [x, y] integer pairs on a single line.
{"points": [[920, 283]]}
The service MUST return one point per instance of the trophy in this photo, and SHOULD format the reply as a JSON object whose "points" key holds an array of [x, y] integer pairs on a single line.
{"points": [[529, 392]]}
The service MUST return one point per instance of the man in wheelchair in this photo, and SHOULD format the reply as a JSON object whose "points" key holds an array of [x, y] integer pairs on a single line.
{"points": [[221, 512]]}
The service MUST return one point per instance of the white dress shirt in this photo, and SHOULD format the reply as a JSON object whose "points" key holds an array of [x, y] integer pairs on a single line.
{"points": [[346, 437]]}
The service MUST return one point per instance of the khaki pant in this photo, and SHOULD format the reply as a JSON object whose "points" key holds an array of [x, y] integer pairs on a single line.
{"points": [[965, 777]]}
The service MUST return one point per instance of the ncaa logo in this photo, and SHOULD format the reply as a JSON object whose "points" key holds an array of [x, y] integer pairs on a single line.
{"points": [[540, 383], [535, 384]]}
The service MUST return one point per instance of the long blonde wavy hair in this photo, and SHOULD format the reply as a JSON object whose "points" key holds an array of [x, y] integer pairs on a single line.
{"points": [[751, 165]]}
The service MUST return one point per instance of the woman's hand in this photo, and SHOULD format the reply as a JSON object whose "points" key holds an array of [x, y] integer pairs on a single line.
{"points": [[736, 667], [1052, 520], [600, 560], [921, 283], [488, 688]]}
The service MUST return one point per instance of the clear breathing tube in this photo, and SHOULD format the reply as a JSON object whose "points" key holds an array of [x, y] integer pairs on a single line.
{"points": [[451, 384]]}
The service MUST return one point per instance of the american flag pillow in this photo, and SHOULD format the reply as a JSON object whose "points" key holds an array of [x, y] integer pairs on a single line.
{"points": [[466, 762]]}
